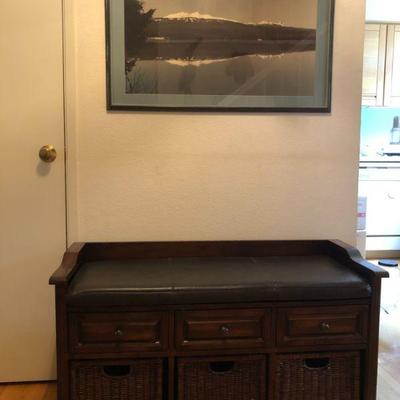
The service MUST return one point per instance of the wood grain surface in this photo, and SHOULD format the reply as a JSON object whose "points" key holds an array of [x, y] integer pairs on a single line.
{"points": [[28, 391]]}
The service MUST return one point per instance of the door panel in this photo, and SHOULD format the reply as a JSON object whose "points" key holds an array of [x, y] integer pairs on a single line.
{"points": [[374, 64], [392, 91], [32, 203]]}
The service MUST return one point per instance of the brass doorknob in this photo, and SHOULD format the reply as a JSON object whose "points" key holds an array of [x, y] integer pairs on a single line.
{"points": [[48, 153]]}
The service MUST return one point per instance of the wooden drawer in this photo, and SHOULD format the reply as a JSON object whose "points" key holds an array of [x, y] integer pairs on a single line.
{"points": [[223, 328], [118, 332], [322, 325]]}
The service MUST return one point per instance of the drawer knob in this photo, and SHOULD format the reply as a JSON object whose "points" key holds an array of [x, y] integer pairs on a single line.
{"points": [[325, 326], [225, 330], [118, 332]]}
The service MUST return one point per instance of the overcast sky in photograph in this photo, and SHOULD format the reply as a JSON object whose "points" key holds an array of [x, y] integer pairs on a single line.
{"points": [[298, 13]]}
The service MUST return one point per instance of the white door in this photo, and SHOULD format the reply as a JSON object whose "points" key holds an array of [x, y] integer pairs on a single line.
{"points": [[32, 193]]}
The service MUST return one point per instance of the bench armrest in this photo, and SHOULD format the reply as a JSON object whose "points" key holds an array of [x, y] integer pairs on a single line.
{"points": [[69, 265], [352, 257]]}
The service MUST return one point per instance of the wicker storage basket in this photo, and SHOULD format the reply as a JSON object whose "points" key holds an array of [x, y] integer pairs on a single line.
{"points": [[125, 380], [235, 378], [323, 376]]}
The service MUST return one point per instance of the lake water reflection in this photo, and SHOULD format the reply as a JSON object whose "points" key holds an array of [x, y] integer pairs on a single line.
{"points": [[288, 74]]}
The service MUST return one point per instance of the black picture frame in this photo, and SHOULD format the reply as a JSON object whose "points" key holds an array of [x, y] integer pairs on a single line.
{"points": [[324, 33]]}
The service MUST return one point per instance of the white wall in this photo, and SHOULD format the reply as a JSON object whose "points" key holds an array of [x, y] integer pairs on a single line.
{"points": [[383, 10], [172, 176]]}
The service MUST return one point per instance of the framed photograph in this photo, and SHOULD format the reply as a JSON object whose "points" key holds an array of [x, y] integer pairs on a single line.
{"points": [[232, 55]]}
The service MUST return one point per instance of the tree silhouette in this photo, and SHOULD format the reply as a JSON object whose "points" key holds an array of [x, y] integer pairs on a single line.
{"points": [[136, 21]]}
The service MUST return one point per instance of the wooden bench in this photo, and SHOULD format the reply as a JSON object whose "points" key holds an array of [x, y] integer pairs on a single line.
{"points": [[243, 320]]}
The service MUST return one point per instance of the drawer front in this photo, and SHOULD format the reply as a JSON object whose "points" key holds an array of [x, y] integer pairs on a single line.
{"points": [[230, 378], [117, 380], [322, 325], [316, 376], [98, 332], [223, 328]]}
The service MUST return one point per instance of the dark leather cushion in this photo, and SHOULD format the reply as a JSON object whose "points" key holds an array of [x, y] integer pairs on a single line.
{"points": [[214, 280]]}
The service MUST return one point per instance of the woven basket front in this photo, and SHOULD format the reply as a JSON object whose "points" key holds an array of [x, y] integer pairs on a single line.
{"points": [[90, 381], [339, 379], [244, 381]]}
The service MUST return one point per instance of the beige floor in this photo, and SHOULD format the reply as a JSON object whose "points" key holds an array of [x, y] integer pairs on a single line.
{"points": [[389, 341], [389, 357]]}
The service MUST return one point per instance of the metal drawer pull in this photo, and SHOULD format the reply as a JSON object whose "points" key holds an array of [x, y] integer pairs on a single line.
{"points": [[316, 363], [114, 371], [325, 326], [118, 332], [221, 367], [225, 330]]}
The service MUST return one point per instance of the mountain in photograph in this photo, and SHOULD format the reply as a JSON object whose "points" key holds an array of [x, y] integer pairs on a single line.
{"points": [[194, 16], [197, 36], [183, 26]]}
